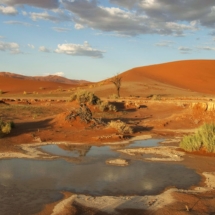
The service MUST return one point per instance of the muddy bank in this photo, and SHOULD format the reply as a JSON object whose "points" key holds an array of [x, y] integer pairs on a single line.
{"points": [[114, 204]]}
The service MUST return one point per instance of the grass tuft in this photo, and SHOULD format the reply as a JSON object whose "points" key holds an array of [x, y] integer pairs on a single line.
{"points": [[106, 106], [5, 127], [121, 127], [204, 139], [83, 96]]}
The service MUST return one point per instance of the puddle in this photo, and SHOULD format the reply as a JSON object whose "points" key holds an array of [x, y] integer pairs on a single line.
{"points": [[79, 151], [145, 143], [45, 179]]}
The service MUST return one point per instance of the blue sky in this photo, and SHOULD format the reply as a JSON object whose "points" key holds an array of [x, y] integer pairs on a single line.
{"points": [[94, 40]]}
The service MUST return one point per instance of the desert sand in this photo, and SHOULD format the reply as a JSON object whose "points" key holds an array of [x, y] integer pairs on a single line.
{"points": [[167, 101]]}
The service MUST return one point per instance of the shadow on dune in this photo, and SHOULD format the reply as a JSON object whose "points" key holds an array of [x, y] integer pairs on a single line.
{"points": [[29, 127], [135, 109], [142, 128]]}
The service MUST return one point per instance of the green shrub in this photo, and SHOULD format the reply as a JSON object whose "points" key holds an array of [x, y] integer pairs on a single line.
{"points": [[5, 127], [120, 126], [204, 138], [106, 106], [84, 96]]}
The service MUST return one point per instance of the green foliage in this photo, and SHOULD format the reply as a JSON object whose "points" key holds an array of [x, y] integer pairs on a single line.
{"points": [[5, 127], [204, 138], [83, 96], [120, 126]]}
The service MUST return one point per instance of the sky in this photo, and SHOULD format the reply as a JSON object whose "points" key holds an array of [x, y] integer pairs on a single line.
{"points": [[94, 40]]}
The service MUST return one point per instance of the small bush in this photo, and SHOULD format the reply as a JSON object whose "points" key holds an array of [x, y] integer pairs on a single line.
{"points": [[114, 96], [204, 138], [106, 106], [120, 126], [156, 97], [5, 127], [84, 96]]}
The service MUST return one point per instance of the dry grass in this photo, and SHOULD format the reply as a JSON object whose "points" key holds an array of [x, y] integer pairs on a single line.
{"points": [[22, 111], [106, 106], [5, 127], [121, 127], [83, 96]]}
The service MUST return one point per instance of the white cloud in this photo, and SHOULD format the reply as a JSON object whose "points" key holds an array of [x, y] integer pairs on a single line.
{"points": [[58, 29], [31, 46], [124, 17], [37, 3], [59, 74], [184, 50], [207, 48], [164, 44], [123, 21], [44, 16], [24, 13], [14, 22], [13, 48], [57, 16], [78, 26], [44, 49], [79, 50], [8, 10]]}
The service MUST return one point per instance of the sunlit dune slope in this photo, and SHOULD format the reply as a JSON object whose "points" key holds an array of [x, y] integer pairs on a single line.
{"points": [[195, 75], [14, 85]]}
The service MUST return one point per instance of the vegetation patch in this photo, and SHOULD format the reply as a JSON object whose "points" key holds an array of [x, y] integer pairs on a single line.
{"points": [[106, 106], [156, 97], [114, 96], [83, 96], [203, 139], [5, 127], [121, 127]]}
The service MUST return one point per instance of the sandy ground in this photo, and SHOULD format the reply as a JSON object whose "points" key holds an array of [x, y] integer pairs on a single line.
{"points": [[164, 119]]}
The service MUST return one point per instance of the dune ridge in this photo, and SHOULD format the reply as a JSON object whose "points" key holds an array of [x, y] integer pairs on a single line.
{"points": [[195, 75], [190, 75]]}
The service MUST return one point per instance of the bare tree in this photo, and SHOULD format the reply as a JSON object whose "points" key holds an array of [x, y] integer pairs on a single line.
{"points": [[116, 80]]}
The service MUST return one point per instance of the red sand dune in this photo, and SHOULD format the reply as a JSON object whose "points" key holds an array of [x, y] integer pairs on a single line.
{"points": [[196, 75], [13, 85], [49, 78]]}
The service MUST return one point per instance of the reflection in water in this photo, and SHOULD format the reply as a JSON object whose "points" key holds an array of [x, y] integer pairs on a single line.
{"points": [[95, 178], [90, 176]]}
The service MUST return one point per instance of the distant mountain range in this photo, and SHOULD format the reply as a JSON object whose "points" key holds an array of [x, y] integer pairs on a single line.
{"points": [[49, 78]]}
